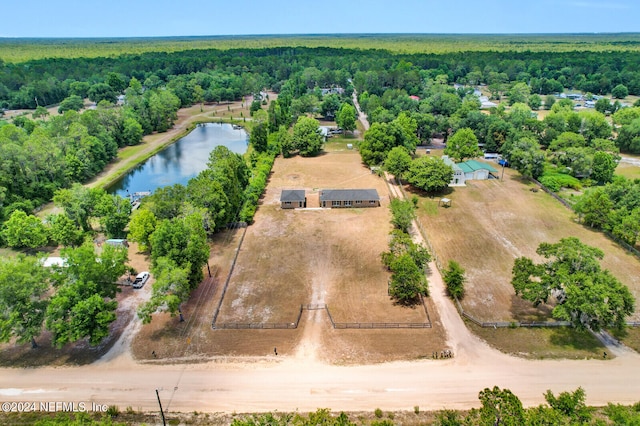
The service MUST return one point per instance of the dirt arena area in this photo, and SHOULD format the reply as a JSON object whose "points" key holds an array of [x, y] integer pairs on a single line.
{"points": [[324, 256], [491, 223]]}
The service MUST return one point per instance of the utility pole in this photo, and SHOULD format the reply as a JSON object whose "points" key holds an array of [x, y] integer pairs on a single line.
{"points": [[164, 422]]}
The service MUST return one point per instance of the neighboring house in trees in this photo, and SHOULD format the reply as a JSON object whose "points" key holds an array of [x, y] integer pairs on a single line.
{"points": [[345, 198], [293, 199], [117, 242], [485, 103], [331, 91]]}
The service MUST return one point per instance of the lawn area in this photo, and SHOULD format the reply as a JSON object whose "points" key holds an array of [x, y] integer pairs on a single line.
{"points": [[628, 170], [542, 343], [490, 223], [630, 337]]}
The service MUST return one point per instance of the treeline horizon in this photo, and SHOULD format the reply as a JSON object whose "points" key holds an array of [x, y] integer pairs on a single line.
{"points": [[21, 49]]}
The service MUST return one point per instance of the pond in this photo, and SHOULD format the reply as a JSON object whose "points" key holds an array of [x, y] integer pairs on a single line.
{"points": [[182, 160]]}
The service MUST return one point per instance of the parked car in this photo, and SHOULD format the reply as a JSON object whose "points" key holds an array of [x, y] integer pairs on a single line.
{"points": [[140, 280]]}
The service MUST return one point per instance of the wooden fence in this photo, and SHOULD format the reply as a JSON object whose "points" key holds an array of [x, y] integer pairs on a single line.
{"points": [[505, 324], [226, 283], [335, 325]]}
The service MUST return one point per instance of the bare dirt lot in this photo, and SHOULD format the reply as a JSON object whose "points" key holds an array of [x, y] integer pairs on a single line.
{"points": [[325, 256], [293, 257], [490, 223]]}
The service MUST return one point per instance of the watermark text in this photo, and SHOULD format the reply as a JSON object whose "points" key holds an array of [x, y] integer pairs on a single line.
{"points": [[52, 407]]}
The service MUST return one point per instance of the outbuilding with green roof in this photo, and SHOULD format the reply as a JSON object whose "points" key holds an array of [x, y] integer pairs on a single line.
{"points": [[469, 170], [476, 170]]}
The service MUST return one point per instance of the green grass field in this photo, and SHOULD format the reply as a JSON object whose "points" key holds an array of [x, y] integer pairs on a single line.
{"points": [[23, 49], [542, 343], [630, 171]]}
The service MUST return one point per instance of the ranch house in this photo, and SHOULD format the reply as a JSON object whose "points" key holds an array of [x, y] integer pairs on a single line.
{"points": [[293, 199], [345, 198]]}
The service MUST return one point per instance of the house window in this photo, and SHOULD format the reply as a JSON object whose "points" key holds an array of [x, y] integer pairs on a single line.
{"points": [[335, 204], [287, 203], [372, 202], [347, 203], [358, 202]]}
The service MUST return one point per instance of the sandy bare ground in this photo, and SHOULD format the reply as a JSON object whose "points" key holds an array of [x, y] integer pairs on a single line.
{"points": [[300, 382]]}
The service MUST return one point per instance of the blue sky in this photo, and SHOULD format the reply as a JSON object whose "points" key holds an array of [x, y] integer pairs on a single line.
{"points": [[143, 18]]}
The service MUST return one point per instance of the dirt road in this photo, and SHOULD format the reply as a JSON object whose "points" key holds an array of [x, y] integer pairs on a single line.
{"points": [[305, 385]]}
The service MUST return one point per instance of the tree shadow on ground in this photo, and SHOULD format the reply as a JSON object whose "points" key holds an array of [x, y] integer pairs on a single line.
{"points": [[523, 310], [575, 339], [411, 190]]}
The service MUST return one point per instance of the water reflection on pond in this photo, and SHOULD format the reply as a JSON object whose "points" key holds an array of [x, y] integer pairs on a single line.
{"points": [[182, 160]]}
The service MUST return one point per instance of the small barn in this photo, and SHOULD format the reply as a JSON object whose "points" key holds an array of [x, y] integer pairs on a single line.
{"points": [[293, 199], [475, 170], [346, 198]]}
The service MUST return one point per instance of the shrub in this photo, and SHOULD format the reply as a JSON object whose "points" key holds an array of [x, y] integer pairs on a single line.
{"points": [[454, 279], [113, 411], [402, 214], [551, 183], [561, 178], [378, 413]]}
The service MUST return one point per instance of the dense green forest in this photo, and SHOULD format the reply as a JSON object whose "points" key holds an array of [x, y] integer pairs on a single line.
{"points": [[49, 81], [21, 49]]}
